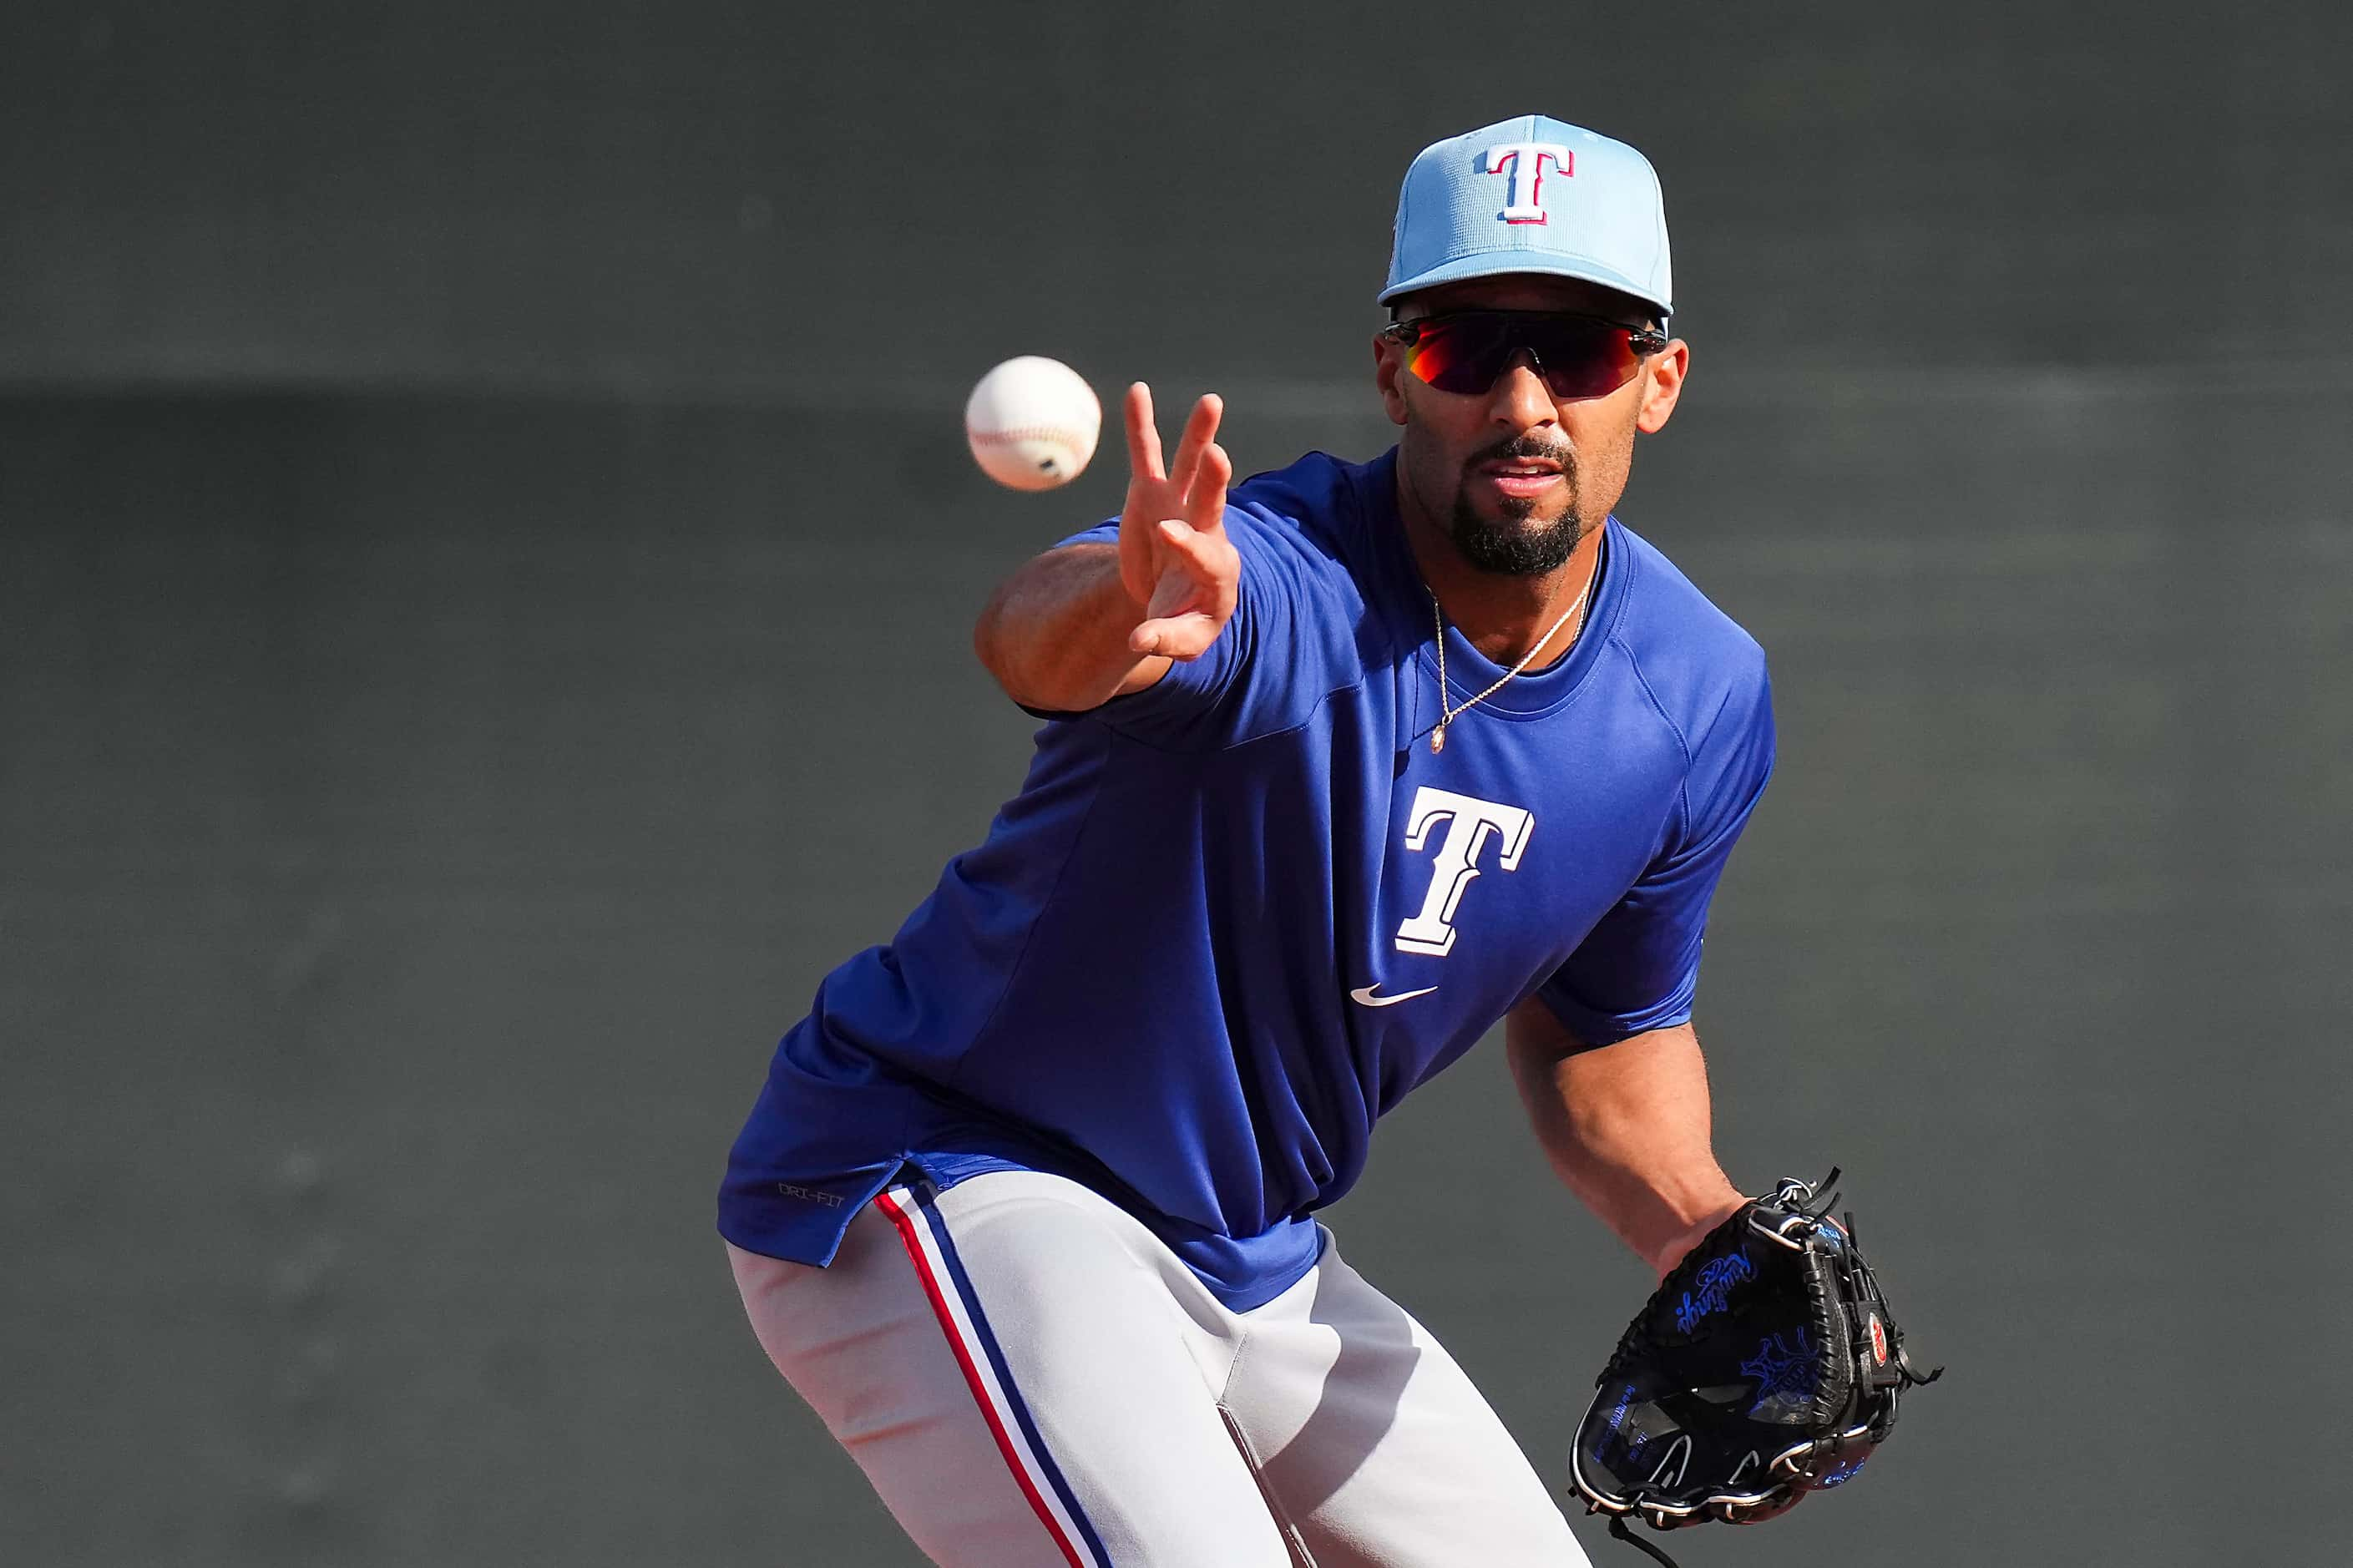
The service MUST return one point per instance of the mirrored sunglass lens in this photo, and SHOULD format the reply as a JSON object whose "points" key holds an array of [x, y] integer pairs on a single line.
{"points": [[1580, 359], [1459, 356], [1583, 359]]}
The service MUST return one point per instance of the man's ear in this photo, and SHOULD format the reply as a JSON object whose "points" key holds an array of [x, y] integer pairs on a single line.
{"points": [[1389, 363], [1663, 384]]}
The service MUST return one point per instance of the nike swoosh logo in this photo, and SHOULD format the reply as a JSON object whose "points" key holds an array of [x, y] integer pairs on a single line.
{"points": [[1364, 994]]}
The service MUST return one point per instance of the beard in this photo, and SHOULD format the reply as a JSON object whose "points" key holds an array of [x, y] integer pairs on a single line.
{"points": [[1514, 545]]}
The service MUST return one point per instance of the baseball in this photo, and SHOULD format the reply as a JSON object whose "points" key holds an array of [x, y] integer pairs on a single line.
{"points": [[1032, 423]]}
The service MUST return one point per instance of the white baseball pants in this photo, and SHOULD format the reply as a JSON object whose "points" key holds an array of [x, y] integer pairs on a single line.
{"points": [[1030, 1379]]}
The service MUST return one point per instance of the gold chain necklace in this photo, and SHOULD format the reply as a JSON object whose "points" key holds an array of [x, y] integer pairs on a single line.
{"points": [[1448, 715]]}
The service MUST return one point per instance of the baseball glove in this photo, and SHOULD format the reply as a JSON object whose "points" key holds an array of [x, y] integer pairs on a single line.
{"points": [[1766, 1364]]}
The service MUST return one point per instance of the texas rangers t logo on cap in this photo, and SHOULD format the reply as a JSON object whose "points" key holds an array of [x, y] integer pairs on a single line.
{"points": [[1523, 161]]}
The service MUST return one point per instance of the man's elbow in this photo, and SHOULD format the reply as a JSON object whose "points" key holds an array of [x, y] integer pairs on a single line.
{"points": [[996, 645], [986, 644]]}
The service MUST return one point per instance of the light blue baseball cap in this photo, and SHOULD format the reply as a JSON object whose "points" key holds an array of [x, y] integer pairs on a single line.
{"points": [[1532, 195]]}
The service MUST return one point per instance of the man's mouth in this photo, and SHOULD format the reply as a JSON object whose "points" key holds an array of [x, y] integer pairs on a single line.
{"points": [[1520, 478]]}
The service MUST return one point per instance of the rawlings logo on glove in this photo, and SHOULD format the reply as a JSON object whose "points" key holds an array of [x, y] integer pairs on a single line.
{"points": [[1765, 1366]]}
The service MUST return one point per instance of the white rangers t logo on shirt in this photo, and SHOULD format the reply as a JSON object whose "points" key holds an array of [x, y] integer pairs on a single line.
{"points": [[1470, 823], [1523, 162]]}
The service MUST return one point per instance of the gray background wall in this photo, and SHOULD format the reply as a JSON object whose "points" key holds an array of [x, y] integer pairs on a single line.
{"points": [[485, 556]]}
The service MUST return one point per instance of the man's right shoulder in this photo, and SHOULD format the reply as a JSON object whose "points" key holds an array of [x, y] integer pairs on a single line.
{"points": [[1316, 509], [1312, 492]]}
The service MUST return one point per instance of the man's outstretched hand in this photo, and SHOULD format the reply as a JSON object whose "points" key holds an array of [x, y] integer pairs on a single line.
{"points": [[1084, 622], [1175, 560]]}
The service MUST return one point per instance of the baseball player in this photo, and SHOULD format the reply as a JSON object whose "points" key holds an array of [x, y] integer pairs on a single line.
{"points": [[1339, 769]]}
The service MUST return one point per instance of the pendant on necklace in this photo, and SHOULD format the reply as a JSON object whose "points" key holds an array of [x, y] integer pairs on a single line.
{"points": [[1438, 739]]}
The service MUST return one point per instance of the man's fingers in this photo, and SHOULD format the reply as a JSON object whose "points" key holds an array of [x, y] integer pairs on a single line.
{"points": [[1201, 429], [1203, 556], [1185, 637], [1143, 436], [1193, 595], [1205, 502], [1207, 560]]}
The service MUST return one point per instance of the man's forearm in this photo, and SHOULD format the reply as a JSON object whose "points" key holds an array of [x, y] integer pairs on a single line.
{"points": [[1628, 1128], [1055, 633]]}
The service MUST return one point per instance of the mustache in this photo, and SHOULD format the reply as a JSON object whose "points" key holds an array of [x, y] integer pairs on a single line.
{"points": [[1523, 448]]}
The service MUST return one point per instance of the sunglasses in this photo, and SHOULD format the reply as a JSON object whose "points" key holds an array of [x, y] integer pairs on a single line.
{"points": [[1578, 356]]}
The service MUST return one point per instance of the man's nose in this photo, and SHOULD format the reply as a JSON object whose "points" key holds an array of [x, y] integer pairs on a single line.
{"points": [[1519, 400]]}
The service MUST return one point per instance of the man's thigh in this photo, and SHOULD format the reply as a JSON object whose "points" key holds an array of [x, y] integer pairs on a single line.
{"points": [[1019, 1381], [1373, 1443]]}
